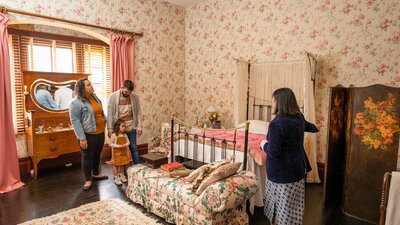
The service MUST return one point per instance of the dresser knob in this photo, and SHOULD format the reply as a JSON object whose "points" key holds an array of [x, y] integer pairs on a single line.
{"points": [[52, 138], [53, 149]]}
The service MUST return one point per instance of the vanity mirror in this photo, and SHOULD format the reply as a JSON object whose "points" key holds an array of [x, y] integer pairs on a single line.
{"points": [[53, 96]]}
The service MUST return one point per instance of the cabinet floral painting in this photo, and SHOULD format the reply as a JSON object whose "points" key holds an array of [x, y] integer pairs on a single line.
{"points": [[378, 124]]}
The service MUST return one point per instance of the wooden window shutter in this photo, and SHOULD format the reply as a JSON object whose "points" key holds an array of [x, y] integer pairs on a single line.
{"points": [[17, 84], [24, 45], [97, 63], [79, 57]]}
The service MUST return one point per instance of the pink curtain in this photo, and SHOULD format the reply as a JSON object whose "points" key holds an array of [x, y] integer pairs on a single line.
{"points": [[122, 59], [9, 168]]}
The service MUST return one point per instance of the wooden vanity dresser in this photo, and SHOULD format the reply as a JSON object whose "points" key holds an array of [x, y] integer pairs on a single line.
{"points": [[48, 131]]}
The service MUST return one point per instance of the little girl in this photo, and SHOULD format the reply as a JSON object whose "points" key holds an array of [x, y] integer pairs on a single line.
{"points": [[119, 144]]}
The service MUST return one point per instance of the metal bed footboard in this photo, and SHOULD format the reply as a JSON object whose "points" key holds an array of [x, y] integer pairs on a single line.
{"points": [[183, 134]]}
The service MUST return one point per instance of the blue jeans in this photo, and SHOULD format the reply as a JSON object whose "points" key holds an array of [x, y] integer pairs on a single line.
{"points": [[133, 147]]}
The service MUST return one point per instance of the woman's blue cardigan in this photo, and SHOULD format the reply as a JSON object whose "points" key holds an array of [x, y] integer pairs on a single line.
{"points": [[287, 161]]}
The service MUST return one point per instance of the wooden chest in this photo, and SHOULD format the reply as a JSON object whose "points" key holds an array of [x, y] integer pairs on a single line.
{"points": [[153, 160]]}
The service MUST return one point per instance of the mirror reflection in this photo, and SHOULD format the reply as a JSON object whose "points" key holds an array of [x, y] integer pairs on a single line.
{"points": [[53, 96]]}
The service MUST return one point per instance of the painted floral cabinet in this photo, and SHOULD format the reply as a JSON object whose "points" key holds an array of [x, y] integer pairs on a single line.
{"points": [[363, 144]]}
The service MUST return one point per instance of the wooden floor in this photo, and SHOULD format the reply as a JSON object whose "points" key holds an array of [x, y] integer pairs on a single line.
{"points": [[60, 189]]}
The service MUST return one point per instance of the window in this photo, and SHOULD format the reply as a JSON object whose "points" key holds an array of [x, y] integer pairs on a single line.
{"points": [[63, 60], [49, 55], [40, 54]]}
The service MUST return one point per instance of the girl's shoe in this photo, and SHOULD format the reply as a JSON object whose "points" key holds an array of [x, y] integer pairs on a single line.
{"points": [[122, 178], [117, 180]]}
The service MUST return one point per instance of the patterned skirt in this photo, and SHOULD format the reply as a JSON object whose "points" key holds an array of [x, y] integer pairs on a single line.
{"points": [[285, 201]]}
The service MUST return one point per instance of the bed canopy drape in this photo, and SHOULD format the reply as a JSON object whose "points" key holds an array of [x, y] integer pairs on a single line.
{"points": [[255, 83]]}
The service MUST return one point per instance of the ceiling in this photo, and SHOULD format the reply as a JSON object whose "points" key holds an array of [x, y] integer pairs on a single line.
{"points": [[184, 3]]}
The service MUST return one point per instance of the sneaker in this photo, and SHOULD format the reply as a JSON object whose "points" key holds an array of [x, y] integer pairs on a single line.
{"points": [[123, 178], [117, 180]]}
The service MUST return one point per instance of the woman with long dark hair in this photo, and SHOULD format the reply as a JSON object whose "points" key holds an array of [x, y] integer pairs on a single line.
{"points": [[287, 162], [89, 122]]}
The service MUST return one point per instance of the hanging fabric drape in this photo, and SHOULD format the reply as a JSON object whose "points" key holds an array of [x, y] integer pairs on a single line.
{"points": [[9, 167], [265, 78], [310, 139], [240, 92], [122, 59]]}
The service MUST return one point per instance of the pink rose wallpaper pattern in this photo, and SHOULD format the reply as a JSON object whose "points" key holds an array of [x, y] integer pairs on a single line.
{"points": [[185, 61], [159, 53], [357, 42]]}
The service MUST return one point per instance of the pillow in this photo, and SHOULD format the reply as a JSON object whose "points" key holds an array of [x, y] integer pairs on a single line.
{"points": [[220, 173], [193, 175], [204, 173], [199, 179], [256, 126]]}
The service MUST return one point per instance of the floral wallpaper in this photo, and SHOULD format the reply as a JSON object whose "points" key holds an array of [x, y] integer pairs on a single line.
{"points": [[357, 42], [185, 61], [159, 53]]}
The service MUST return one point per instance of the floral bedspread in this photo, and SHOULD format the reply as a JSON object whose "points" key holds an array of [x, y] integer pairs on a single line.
{"points": [[223, 202]]}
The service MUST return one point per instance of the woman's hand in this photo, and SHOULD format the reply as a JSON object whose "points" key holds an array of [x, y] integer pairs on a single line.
{"points": [[83, 144]]}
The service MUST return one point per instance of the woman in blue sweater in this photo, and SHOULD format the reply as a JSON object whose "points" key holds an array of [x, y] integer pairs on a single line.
{"points": [[287, 163]]}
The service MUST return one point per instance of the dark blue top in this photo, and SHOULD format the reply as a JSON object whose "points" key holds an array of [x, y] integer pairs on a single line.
{"points": [[287, 161]]}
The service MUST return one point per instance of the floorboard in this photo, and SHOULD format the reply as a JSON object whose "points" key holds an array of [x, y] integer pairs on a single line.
{"points": [[60, 189]]}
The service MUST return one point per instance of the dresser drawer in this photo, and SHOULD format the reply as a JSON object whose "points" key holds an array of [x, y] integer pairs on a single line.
{"points": [[54, 144]]}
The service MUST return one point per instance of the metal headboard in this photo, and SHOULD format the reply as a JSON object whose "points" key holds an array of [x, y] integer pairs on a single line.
{"points": [[264, 112]]}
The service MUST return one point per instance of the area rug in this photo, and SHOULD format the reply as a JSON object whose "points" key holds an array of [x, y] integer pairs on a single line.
{"points": [[110, 212]]}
